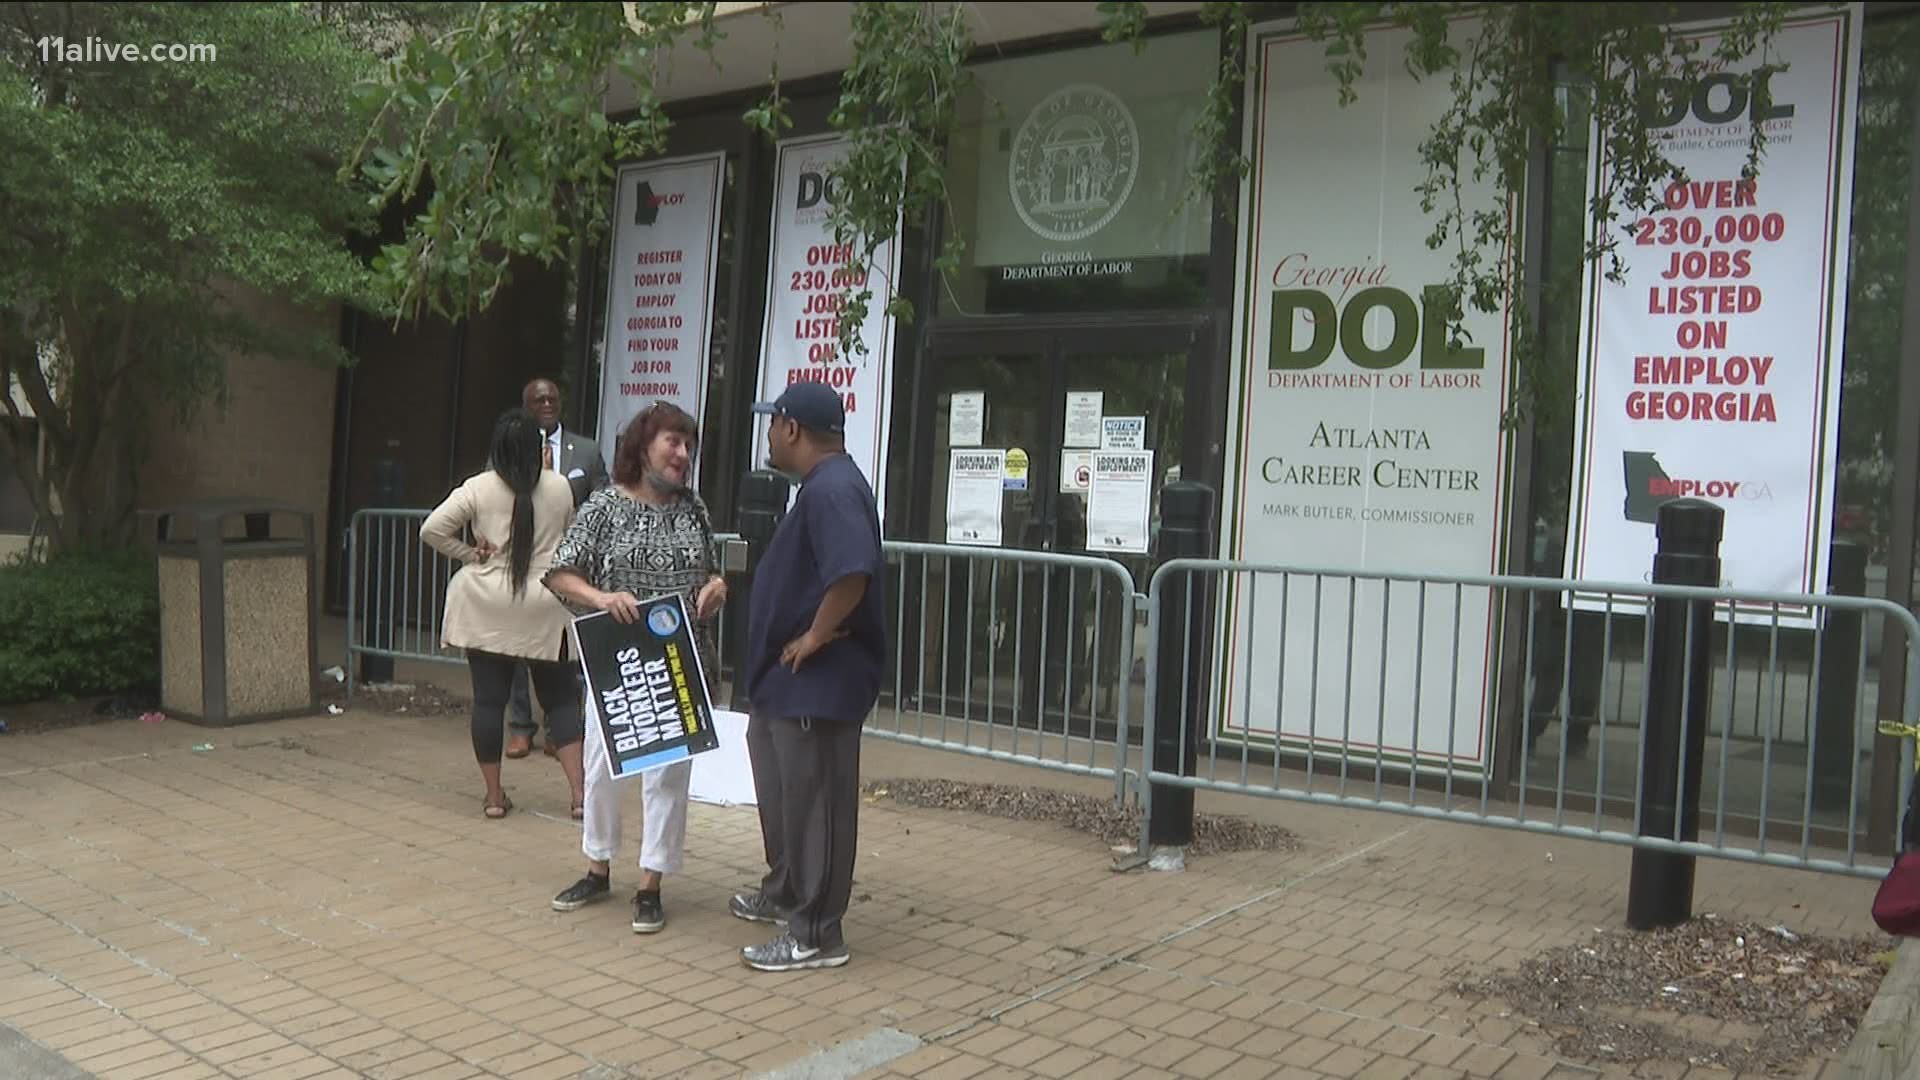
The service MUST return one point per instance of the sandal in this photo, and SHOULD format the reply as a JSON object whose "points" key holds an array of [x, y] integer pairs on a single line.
{"points": [[498, 810]]}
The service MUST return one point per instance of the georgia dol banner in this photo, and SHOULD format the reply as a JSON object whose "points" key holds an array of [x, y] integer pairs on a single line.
{"points": [[1362, 439], [646, 690], [807, 273], [1713, 370]]}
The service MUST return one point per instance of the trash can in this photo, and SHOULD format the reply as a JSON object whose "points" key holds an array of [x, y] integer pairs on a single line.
{"points": [[238, 612]]}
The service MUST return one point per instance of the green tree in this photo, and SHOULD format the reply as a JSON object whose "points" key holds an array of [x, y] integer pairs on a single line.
{"points": [[143, 198]]}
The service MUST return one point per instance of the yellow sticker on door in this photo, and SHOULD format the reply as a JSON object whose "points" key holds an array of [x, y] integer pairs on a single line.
{"points": [[1015, 478]]}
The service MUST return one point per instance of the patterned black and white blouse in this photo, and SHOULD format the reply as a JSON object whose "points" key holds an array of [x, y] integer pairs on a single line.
{"points": [[620, 544]]}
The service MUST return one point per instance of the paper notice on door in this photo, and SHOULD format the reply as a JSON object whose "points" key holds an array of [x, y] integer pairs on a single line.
{"points": [[967, 419], [1120, 501], [1123, 433], [1076, 472], [973, 497], [1083, 417]]}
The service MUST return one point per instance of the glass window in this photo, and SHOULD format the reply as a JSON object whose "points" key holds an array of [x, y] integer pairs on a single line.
{"points": [[1068, 179]]}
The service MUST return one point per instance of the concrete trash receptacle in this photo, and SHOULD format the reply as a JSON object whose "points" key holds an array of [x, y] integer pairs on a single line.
{"points": [[238, 612]]}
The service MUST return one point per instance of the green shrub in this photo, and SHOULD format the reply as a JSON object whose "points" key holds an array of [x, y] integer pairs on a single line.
{"points": [[79, 625]]}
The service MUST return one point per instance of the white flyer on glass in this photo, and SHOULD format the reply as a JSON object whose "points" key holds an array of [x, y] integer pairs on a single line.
{"points": [[1083, 417], [1123, 433], [973, 497], [1076, 472], [1120, 501], [967, 419]]}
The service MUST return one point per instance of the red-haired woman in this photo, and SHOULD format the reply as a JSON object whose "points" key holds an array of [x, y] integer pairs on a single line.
{"points": [[647, 535]]}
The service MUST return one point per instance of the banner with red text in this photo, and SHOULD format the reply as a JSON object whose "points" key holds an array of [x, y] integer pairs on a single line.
{"points": [[666, 235], [1712, 371], [1363, 441], [808, 272]]}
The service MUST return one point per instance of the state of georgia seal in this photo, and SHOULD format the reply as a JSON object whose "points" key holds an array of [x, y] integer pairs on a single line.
{"points": [[1074, 162]]}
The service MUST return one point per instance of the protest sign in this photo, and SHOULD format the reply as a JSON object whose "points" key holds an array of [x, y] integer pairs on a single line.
{"points": [[645, 687]]}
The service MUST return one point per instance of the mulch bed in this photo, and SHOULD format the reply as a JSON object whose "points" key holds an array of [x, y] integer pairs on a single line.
{"points": [[1101, 817], [1738, 996]]}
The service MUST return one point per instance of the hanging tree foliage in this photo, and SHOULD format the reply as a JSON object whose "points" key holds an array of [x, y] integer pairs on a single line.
{"points": [[504, 114]]}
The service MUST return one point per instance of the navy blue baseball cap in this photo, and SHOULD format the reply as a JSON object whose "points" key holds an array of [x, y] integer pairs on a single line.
{"points": [[812, 405]]}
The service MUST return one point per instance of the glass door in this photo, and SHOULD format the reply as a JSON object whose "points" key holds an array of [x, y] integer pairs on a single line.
{"points": [[989, 410], [1057, 441]]}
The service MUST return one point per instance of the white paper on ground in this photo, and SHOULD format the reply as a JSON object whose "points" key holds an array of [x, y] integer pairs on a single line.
{"points": [[724, 776]]}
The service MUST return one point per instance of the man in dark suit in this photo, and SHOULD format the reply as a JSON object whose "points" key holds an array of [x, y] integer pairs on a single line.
{"points": [[578, 459]]}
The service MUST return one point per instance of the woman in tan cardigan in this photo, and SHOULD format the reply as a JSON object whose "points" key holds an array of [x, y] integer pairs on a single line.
{"points": [[496, 608]]}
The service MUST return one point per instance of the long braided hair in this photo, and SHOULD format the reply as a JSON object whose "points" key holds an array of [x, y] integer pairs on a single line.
{"points": [[516, 458]]}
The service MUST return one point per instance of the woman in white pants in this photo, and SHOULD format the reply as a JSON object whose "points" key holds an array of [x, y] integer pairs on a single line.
{"points": [[647, 535]]}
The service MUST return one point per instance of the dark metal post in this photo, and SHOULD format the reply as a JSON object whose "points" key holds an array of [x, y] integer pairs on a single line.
{"points": [[763, 502], [1835, 748], [1186, 532], [1679, 695]]}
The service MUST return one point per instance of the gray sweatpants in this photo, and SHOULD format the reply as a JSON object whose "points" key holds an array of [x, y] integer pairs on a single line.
{"points": [[806, 778]]}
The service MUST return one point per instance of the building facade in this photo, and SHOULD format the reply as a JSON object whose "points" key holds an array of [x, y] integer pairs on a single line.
{"points": [[1104, 335]]}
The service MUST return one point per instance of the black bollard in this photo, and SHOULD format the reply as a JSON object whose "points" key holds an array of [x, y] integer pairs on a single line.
{"points": [[1679, 695], [763, 502], [1834, 745], [1186, 532]]}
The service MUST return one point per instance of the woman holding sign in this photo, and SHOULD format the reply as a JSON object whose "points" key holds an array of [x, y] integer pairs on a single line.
{"points": [[646, 536], [496, 611]]}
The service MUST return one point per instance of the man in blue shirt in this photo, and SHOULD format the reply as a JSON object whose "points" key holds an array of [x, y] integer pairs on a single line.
{"points": [[816, 647]]}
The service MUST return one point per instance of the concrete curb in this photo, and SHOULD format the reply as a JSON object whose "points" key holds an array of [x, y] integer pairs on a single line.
{"points": [[1887, 1046], [23, 1059]]}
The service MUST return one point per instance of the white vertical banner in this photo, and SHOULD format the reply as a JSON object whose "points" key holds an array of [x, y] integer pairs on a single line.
{"points": [[1363, 440], [807, 273], [666, 238], [1713, 370]]}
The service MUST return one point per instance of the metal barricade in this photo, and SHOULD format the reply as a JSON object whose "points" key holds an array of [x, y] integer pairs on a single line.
{"points": [[1019, 656], [1382, 691], [397, 591]]}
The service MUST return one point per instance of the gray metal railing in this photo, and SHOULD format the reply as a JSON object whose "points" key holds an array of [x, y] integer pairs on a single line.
{"points": [[1378, 691], [1021, 656], [397, 591], [1330, 687]]}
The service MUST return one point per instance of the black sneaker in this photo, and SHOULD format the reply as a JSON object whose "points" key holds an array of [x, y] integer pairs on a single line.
{"points": [[648, 916], [587, 890], [755, 907]]}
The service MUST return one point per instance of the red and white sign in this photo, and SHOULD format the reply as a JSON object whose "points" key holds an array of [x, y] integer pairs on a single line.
{"points": [[1713, 370], [666, 235], [809, 273]]}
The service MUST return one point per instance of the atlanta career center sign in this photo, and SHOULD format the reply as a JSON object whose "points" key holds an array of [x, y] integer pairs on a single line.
{"points": [[646, 691], [1364, 440]]}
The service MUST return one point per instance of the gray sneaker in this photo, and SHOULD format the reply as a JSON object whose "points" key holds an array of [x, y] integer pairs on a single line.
{"points": [[755, 907], [785, 954]]}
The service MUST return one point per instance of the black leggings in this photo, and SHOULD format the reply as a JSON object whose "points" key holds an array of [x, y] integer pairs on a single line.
{"points": [[555, 682]]}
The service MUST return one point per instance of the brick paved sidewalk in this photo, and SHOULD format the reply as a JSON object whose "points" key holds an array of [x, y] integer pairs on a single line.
{"points": [[322, 898]]}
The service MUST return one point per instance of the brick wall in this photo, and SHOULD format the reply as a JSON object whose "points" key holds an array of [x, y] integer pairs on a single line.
{"points": [[273, 438]]}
